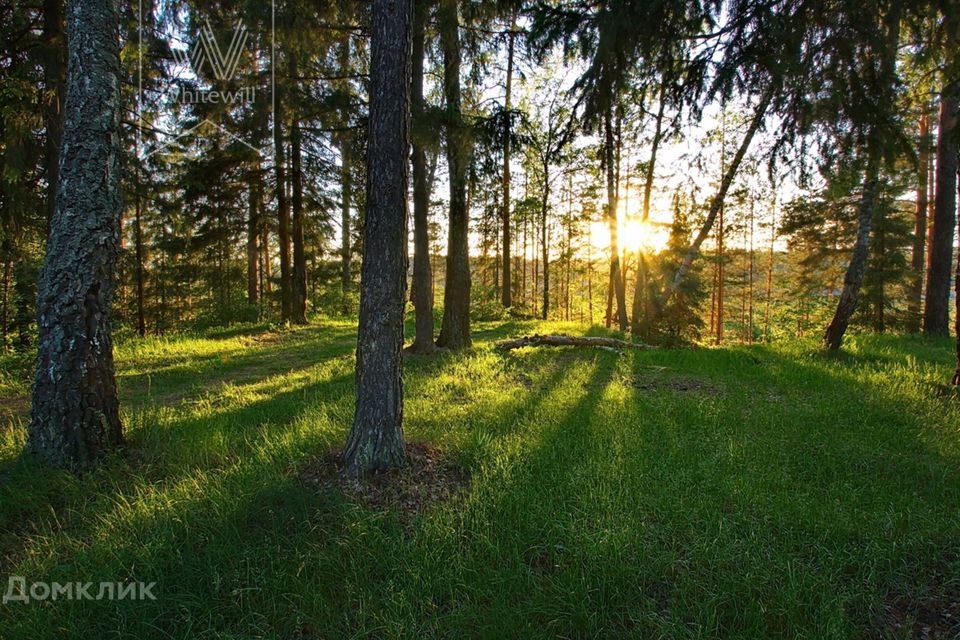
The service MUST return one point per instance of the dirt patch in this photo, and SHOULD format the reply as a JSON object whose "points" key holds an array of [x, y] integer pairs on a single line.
{"points": [[429, 477], [927, 611], [677, 384]]}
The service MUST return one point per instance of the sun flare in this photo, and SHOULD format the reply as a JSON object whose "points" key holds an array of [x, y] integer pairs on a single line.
{"points": [[649, 237]]}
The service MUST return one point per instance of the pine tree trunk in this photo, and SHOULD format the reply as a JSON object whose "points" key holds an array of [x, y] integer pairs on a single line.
{"points": [[138, 248], [283, 212], [75, 414], [936, 311], [506, 290], [833, 336], [422, 270], [346, 182], [298, 310], [455, 328], [253, 254], [544, 241], [918, 257], [616, 284], [376, 437]]}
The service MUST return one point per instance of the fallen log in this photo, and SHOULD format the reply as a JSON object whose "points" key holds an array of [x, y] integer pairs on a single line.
{"points": [[537, 340]]}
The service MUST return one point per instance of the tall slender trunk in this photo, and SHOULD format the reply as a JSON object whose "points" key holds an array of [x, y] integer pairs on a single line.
{"points": [[544, 240], [956, 315], [253, 233], [455, 328], [298, 309], [54, 72], [75, 413], [283, 211], [138, 248], [422, 270], [766, 313], [506, 293], [718, 199], [346, 180], [936, 311], [918, 257], [833, 336], [616, 275], [376, 437]]}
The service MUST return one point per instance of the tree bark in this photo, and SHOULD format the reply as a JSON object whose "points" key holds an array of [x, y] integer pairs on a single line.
{"points": [[833, 336], [283, 211], [455, 328], [616, 277], [75, 414], [346, 181], [422, 270], [298, 310], [376, 438], [544, 240], [918, 257], [139, 250], [936, 310], [253, 233], [506, 290]]}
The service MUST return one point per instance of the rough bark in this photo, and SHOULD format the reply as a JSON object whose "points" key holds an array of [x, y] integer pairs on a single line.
{"points": [[298, 309], [537, 340], [283, 210], [545, 240], [718, 199], [956, 315], [75, 413], [422, 269], [506, 290], [918, 257], [455, 328], [376, 438], [833, 336], [936, 310]]}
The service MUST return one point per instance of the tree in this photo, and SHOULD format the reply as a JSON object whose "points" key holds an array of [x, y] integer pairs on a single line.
{"points": [[376, 438], [75, 413], [422, 283], [455, 328], [936, 310], [506, 289]]}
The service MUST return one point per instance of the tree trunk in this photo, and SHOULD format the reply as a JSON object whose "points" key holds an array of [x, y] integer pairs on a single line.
{"points": [[75, 414], [956, 315], [422, 269], [717, 202], [283, 212], [54, 72], [346, 182], [138, 248], [544, 240], [506, 292], [253, 232], [617, 287], [936, 311], [376, 437], [918, 257], [833, 336], [298, 310], [455, 328]]}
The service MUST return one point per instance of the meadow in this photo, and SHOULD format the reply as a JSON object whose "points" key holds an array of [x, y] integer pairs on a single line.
{"points": [[759, 491]]}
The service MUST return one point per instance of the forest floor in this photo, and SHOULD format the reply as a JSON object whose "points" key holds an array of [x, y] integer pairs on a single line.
{"points": [[737, 492]]}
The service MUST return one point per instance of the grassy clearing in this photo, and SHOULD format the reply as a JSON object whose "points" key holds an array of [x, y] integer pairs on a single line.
{"points": [[743, 492]]}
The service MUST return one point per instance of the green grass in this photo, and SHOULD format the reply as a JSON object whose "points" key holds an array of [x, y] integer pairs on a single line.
{"points": [[743, 492]]}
